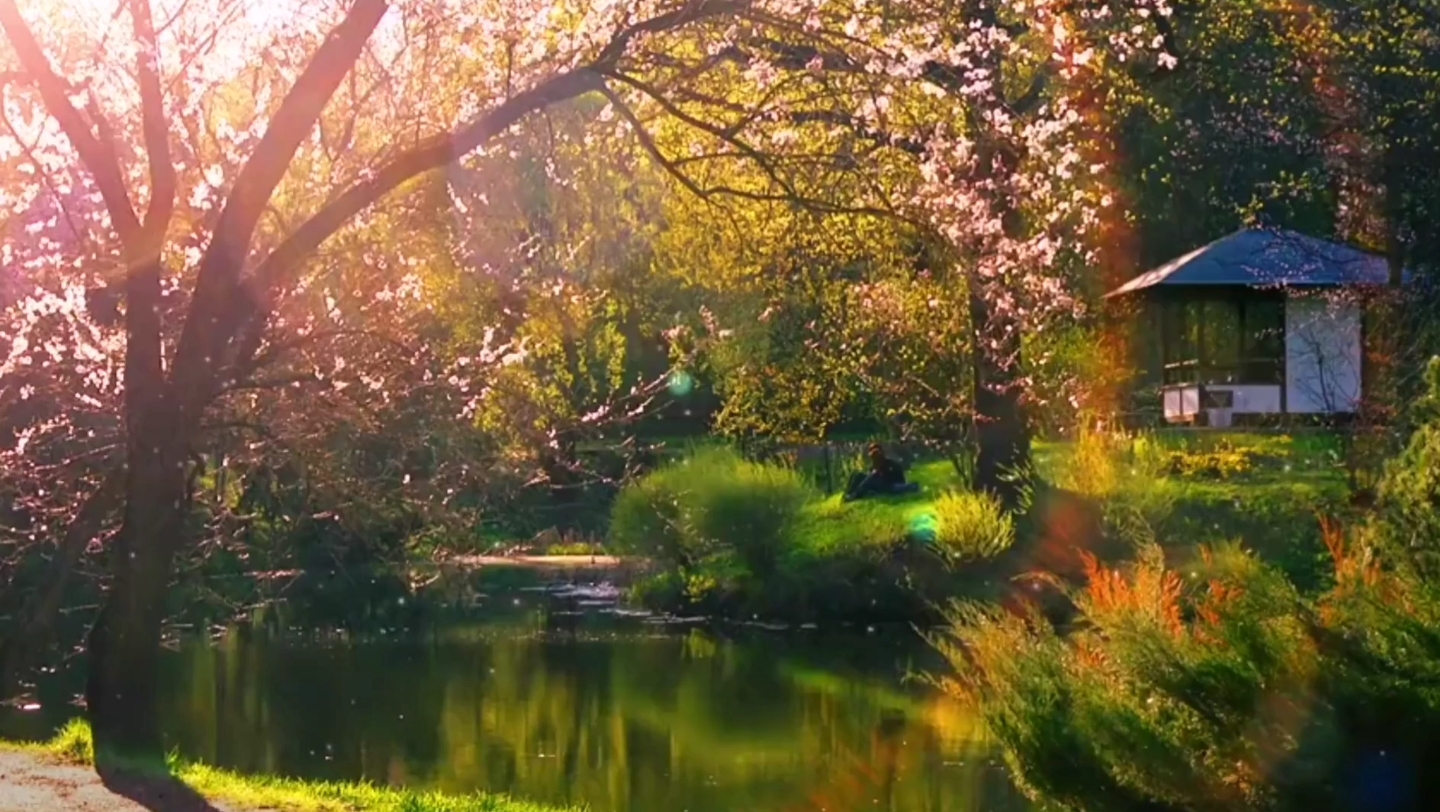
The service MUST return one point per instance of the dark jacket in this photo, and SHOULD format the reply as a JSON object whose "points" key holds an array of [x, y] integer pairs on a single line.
{"points": [[888, 472]]}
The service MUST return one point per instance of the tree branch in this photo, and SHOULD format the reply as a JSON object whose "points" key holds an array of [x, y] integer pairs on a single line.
{"points": [[157, 129], [430, 154], [439, 150], [205, 334], [692, 11], [759, 158], [224, 314], [55, 92], [643, 136]]}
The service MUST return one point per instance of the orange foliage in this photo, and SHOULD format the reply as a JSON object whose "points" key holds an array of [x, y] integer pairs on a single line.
{"points": [[1356, 570], [1090, 656], [1153, 592], [1351, 568], [1218, 595]]}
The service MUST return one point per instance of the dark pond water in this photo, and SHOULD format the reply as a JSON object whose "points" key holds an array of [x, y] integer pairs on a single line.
{"points": [[619, 713]]}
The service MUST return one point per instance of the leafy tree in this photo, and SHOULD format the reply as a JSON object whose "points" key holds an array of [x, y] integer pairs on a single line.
{"points": [[253, 142], [556, 235]]}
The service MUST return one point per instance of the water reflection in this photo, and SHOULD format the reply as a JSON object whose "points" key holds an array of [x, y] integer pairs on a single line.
{"points": [[615, 718]]}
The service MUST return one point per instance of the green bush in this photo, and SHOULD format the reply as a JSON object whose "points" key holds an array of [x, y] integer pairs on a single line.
{"points": [[647, 519], [1218, 464], [575, 548], [745, 539], [971, 527], [711, 503]]}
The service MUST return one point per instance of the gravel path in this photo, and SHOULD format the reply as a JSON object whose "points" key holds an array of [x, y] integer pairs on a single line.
{"points": [[30, 783]]}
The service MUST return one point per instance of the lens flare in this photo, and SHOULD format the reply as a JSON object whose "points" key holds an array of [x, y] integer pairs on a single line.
{"points": [[680, 383], [923, 527]]}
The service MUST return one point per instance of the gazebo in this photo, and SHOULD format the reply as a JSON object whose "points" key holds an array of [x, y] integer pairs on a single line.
{"points": [[1259, 324]]}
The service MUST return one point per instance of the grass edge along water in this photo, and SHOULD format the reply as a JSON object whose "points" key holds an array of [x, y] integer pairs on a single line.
{"points": [[73, 745]]}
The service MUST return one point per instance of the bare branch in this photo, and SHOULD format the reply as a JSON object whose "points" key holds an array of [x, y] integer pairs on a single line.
{"points": [[643, 136], [759, 158], [692, 11]]}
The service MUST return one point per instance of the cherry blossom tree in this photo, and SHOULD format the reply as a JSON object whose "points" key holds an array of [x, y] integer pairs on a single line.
{"points": [[189, 173], [252, 138], [969, 118]]}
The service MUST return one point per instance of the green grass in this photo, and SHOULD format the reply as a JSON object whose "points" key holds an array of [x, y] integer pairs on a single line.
{"points": [[1266, 490], [73, 745], [831, 525]]}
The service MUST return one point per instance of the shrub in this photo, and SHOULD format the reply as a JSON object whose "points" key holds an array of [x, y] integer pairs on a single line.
{"points": [[568, 542], [575, 548], [1093, 465], [713, 502], [1226, 690], [971, 527], [1102, 463], [1410, 490], [1225, 461], [647, 518]]}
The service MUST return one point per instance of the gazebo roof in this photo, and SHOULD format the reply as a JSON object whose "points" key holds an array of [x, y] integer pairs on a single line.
{"points": [[1266, 257]]}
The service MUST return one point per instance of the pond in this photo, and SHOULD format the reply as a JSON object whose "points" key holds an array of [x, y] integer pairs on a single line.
{"points": [[572, 701]]}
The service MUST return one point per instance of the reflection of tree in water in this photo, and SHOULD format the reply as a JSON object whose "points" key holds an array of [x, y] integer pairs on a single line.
{"points": [[632, 723]]}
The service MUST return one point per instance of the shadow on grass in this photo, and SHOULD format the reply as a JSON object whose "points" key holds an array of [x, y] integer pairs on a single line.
{"points": [[155, 790]]}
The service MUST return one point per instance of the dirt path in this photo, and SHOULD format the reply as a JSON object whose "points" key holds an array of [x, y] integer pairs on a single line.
{"points": [[30, 783]]}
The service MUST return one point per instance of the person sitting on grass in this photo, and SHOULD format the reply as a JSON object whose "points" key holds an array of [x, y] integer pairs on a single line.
{"points": [[885, 476]]}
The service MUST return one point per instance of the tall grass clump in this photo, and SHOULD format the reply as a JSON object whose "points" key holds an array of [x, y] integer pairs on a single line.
{"points": [[1119, 472], [712, 503], [971, 527], [73, 743]]}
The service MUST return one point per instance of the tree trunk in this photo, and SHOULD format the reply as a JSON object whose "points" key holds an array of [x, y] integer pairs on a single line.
{"points": [[1002, 435], [121, 691]]}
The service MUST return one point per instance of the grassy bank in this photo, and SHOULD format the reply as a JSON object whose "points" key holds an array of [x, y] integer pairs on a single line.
{"points": [[73, 745], [745, 539]]}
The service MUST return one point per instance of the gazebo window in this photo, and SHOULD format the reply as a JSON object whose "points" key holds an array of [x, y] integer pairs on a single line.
{"points": [[1215, 337]]}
